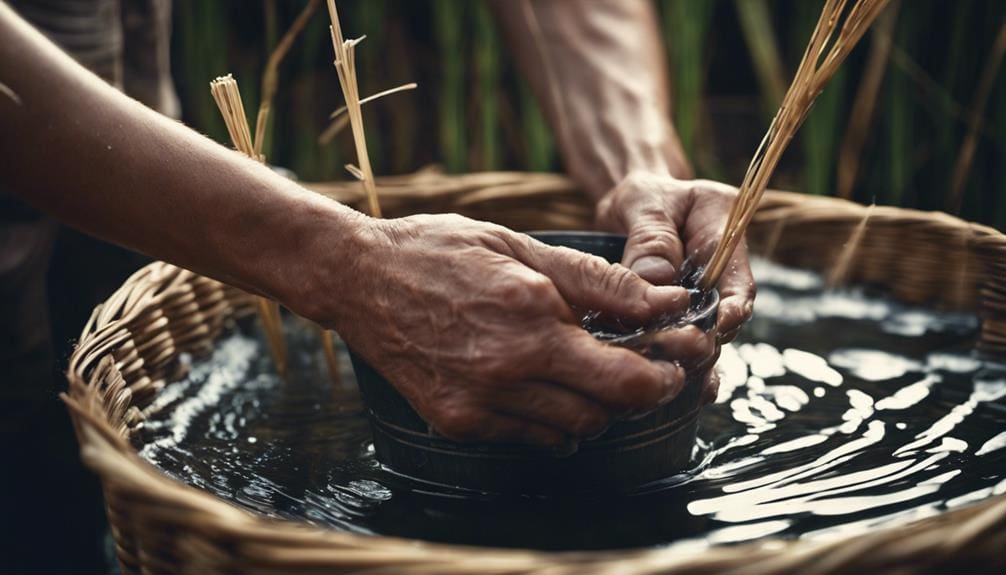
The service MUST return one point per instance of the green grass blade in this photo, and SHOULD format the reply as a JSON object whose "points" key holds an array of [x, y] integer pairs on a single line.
{"points": [[487, 48], [756, 24], [686, 25], [447, 23]]}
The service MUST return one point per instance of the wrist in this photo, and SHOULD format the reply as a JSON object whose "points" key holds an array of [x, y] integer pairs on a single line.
{"points": [[663, 160], [316, 256]]}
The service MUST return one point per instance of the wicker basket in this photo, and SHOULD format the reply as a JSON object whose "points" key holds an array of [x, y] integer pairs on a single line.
{"points": [[128, 351]]}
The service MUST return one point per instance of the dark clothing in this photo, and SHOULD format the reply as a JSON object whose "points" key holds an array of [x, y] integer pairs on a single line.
{"points": [[51, 277]]}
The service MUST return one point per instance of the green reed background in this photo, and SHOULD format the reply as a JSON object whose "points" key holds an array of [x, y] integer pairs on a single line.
{"points": [[730, 61]]}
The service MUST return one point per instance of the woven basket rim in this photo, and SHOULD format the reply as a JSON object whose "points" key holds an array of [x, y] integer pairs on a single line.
{"points": [[100, 403]]}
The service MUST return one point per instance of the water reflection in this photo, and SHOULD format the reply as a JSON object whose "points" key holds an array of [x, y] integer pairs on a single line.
{"points": [[837, 413]]}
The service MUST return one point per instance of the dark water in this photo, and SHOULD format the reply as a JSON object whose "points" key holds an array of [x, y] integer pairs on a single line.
{"points": [[816, 433]]}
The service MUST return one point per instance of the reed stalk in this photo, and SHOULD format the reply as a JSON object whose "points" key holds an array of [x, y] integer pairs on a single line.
{"points": [[453, 135], [962, 167], [898, 119], [270, 76], [825, 53], [339, 119], [756, 24], [228, 98], [345, 67], [865, 102], [204, 51], [487, 48], [686, 25]]}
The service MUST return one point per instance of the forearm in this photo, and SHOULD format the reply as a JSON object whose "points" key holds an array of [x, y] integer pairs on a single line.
{"points": [[99, 161], [599, 70]]}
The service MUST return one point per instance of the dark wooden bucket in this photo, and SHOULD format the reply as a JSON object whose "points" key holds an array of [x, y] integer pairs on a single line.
{"points": [[630, 454]]}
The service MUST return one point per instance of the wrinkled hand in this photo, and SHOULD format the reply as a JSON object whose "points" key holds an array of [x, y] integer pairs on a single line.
{"points": [[668, 220], [472, 323]]}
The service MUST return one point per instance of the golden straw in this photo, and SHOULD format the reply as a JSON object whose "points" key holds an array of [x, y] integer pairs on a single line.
{"points": [[339, 121], [228, 98], [345, 66], [819, 64]]}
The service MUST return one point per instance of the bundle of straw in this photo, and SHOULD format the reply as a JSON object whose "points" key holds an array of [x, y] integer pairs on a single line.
{"points": [[825, 53], [228, 98]]}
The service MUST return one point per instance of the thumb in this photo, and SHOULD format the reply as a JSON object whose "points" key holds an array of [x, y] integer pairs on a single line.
{"points": [[653, 248], [590, 282]]}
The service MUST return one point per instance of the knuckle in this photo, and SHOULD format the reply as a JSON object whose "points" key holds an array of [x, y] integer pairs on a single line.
{"points": [[523, 291], [589, 268], [639, 387], [632, 388], [622, 281], [589, 423], [656, 237], [615, 279], [716, 190], [458, 421], [539, 287], [640, 392], [512, 243]]}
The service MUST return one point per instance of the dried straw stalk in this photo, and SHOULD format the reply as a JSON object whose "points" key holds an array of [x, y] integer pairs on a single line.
{"points": [[339, 119], [228, 98], [345, 66], [820, 62]]}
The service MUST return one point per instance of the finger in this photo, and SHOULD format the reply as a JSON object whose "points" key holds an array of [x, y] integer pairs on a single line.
{"points": [[619, 379], [689, 346], [706, 223], [488, 426], [590, 282], [642, 208], [725, 338], [653, 248], [737, 293], [710, 387], [551, 405]]}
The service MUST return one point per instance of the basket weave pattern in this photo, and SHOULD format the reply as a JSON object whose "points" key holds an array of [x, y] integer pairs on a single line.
{"points": [[130, 348]]}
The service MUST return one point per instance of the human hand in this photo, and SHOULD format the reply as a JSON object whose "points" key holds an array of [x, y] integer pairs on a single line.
{"points": [[472, 323], [667, 220]]}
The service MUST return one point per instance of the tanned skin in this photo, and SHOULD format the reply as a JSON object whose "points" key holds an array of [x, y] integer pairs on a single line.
{"points": [[469, 320]]}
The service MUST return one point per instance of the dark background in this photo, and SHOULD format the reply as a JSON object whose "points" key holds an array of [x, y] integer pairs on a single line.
{"points": [[728, 59]]}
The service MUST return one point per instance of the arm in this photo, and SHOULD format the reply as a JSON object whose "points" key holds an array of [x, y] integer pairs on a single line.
{"points": [[76, 148], [599, 70], [470, 321]]}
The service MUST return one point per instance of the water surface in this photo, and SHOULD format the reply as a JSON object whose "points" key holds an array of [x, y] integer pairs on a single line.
{"points": [[838, 412]]}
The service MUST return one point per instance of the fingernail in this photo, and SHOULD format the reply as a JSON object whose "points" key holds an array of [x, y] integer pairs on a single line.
{"points": [[654, 269], [748, 308]]}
